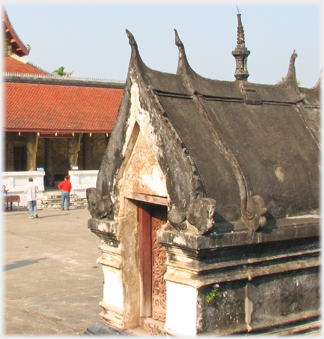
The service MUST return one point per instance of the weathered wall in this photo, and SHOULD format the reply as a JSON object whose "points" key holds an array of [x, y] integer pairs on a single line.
{"points": [[139, 174], [264, 302], [142, 173], [122, 285], [130, 266], [265, 283]]}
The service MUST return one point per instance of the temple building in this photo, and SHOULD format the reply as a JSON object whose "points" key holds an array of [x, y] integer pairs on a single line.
{"points": [[52, 123], [207, 202]]}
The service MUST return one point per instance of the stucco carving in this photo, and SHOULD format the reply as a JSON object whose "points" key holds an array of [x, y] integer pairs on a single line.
{"points": [[200, 214], [197, 219], [255, 212], [98, 206]]}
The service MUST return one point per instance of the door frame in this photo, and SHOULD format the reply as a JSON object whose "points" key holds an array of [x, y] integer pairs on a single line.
{"points": [[145, 258], [145, 240]]}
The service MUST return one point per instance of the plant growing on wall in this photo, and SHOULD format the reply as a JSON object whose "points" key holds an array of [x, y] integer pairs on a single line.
{"points": [[154, 329], [211, 296]]}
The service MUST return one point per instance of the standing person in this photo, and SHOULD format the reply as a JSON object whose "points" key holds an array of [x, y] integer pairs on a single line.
{"points": [[4, 194], [31, 189], [4, 190], [65, 186]]}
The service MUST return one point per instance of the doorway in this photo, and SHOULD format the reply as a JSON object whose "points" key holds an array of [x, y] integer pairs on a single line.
{"points": [[20, 158], [152, 261]]}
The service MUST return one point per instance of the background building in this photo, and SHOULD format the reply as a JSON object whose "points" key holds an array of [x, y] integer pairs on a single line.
{"points": [[52, 123]]}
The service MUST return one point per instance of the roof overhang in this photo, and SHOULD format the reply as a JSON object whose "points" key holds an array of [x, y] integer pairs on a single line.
{"points": [[17, 45], [36, 130]]}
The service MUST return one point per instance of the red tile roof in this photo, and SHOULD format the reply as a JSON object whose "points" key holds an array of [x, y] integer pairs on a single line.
{"points": [[18, 46], [17, 65], [60, 108]]}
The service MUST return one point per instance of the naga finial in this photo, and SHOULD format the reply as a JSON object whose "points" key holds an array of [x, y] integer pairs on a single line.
{"points": [[178, 42], [131, 38]]}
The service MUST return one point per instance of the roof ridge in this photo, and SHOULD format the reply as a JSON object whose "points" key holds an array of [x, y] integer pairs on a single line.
{"points": [[18, 58], [37, 67], [58, 77]]}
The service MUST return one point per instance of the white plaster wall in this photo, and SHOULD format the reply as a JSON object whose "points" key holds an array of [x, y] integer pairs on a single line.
{"points": [[113, 287], [16, 182], [81, 180], [140, 172], [181, 309]]}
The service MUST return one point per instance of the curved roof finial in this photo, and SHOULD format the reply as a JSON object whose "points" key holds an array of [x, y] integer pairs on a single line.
{"points": [[292, 69], [183, 65], [178, 42], [131, 38], [136, 60], [241, 53], [319, 81], [291, 75]]}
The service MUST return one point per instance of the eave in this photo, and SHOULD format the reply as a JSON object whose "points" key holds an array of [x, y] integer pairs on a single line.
{"points": [[60, 130], [18, 46]]}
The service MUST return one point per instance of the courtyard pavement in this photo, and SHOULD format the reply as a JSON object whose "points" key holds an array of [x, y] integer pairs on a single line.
{"points": [[52, 284]]}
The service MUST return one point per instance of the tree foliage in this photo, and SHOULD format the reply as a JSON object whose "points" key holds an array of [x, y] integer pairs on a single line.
{"points": [[60, 71]]}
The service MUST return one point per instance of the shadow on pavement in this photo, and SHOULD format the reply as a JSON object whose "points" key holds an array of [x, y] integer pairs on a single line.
{"points": [[22, 263]]}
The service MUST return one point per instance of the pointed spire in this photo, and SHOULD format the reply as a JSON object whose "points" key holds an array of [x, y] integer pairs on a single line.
{"points": [[241, 53]]}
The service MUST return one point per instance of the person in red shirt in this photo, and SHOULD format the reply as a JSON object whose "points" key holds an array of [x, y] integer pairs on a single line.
{"points": [[65, 186]]}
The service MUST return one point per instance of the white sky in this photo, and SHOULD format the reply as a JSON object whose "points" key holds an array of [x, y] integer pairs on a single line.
{"points": [[89, 37]]}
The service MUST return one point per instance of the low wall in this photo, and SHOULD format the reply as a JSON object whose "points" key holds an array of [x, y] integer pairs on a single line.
{"points": [[81, 180], [16, 182]]}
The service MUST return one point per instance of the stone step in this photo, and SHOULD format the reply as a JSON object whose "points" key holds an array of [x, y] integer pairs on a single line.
{"points": [[56, 196], [51, 201], [58, 206], [59, 199]]}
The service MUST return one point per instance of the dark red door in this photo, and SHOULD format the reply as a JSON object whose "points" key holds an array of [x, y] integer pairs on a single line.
{"points": [[152, 261]]}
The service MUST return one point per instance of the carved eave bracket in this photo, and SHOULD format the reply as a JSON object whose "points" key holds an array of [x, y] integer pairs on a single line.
{"points": [[255, 213], [99, 206], [197, 219]]}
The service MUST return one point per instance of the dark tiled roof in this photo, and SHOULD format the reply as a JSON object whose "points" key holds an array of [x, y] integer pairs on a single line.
{"points": [[60, 108], [242, 138]]}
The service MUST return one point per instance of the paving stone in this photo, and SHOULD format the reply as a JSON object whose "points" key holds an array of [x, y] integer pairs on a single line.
{"points": [[51, 281]]}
